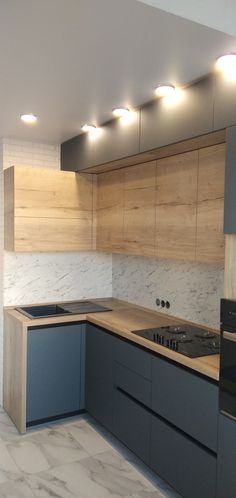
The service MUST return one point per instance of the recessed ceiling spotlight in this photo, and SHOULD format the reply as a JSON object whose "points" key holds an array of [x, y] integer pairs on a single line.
{"points": [[28, 118], [164, 90], [120, 112], [227, 64], [88, 127]]}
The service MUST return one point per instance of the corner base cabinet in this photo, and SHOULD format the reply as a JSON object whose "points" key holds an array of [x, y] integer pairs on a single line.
{"points": [[55, 371]]}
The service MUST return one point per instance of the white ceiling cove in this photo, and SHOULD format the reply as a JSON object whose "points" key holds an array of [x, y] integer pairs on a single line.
{"points": [[72, 61]]}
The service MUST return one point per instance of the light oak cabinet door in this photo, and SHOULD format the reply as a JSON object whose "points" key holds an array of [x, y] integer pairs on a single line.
{"points": [[139, 209], [210, 204], [176, 198], [110, 216], [47, 210]]}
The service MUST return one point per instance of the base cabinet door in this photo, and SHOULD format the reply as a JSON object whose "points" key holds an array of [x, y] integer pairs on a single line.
{"points": [[55, 377], [132, 425], [186, 466], [226, 463], [99, 375]]}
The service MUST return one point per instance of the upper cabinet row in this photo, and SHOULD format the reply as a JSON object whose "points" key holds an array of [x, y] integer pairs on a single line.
{"points": [[169, 208], [47, 210]]}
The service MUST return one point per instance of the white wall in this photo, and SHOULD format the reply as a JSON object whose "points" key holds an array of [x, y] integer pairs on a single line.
{"points": [[194, 290], [42, 277], [216, 14]]}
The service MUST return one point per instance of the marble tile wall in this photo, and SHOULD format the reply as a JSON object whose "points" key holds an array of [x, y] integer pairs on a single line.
{"points": [[194, 290]]}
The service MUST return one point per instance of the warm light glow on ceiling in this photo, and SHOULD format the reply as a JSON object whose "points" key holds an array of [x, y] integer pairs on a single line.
{"points": [[88, 127], [28, 118], [227, 64], [120, 112], [164, 90]]}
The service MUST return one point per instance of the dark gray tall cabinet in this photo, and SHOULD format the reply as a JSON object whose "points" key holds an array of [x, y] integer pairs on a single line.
{"points": [[55, 371], [226, 475]]}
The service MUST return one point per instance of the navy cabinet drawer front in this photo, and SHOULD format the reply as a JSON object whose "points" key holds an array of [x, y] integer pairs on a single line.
{"points": [[133, 384], [54, 371], [226, 476], [134, 358], [187, 467], [132, 425], [186, 400]]}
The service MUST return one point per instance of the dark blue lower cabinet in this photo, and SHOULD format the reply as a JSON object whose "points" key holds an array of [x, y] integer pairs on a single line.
{"points": [[55, 371], [226, 463], [132, 423], [99, 375], [183, 463]]}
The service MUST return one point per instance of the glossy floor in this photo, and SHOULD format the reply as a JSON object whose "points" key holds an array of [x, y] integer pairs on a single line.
{"points": [[72, 459]]}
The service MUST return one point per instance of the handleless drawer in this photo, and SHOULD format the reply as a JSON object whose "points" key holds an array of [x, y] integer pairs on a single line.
{"points": [[131, 424], [186, 400], [134, 358], [135, 385], [187, 467]]}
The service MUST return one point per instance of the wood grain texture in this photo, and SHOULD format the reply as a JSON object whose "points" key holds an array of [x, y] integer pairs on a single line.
{"points": [[230, 267], [210, 244], [110, 211], [9, 209], [176, 206], [14, 370], [139, 209], [207, 140], [52, 210]]}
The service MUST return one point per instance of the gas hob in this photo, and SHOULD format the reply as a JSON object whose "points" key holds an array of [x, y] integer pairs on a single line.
{"points": [[185, 339]]}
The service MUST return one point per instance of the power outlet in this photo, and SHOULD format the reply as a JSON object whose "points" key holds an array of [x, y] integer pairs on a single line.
{"points": [[162, 303]]}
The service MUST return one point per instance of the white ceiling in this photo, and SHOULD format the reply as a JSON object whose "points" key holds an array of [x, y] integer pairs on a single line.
{"points": [[71, 61]]}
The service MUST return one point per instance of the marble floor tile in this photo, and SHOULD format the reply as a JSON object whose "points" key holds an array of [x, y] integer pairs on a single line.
{"points": [[16, 489], [8, 468], [8, 430], [86, 436], [45, 449]]}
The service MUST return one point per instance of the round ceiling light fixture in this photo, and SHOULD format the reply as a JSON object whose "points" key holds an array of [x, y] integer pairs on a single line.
{"points": [[88, 127], [28, 118], [227, 64], [120, 112], [164, 90]]}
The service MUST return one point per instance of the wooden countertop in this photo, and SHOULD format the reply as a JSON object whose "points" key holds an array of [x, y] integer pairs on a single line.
{"points": [[124, 318]]}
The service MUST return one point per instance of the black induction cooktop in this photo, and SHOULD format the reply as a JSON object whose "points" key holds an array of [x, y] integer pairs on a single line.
{"points": [[185, 339]]}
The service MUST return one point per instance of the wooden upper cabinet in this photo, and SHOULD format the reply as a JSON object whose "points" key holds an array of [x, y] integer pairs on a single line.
{"points": [[48, 210], [176, 197], [139, 209], [210, 204], [110, 217]]}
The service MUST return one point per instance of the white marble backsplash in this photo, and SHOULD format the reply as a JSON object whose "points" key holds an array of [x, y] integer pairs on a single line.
{"points": [[42, 277], [193, 290]]}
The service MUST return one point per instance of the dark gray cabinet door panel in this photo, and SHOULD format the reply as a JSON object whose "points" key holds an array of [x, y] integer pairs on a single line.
{"points": [[54, 371], [188, 401], [134, 358], [190, 116], [99, 375], [132, 425], [225, 103], [226, 475], [115, 140], [190, 469], [230, 182], [133, 384]]}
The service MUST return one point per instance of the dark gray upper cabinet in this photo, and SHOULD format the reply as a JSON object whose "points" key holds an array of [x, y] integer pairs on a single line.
{"points": [[163, 123], [55, 371], [115, 140], [225, 103], [230, 182]]}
